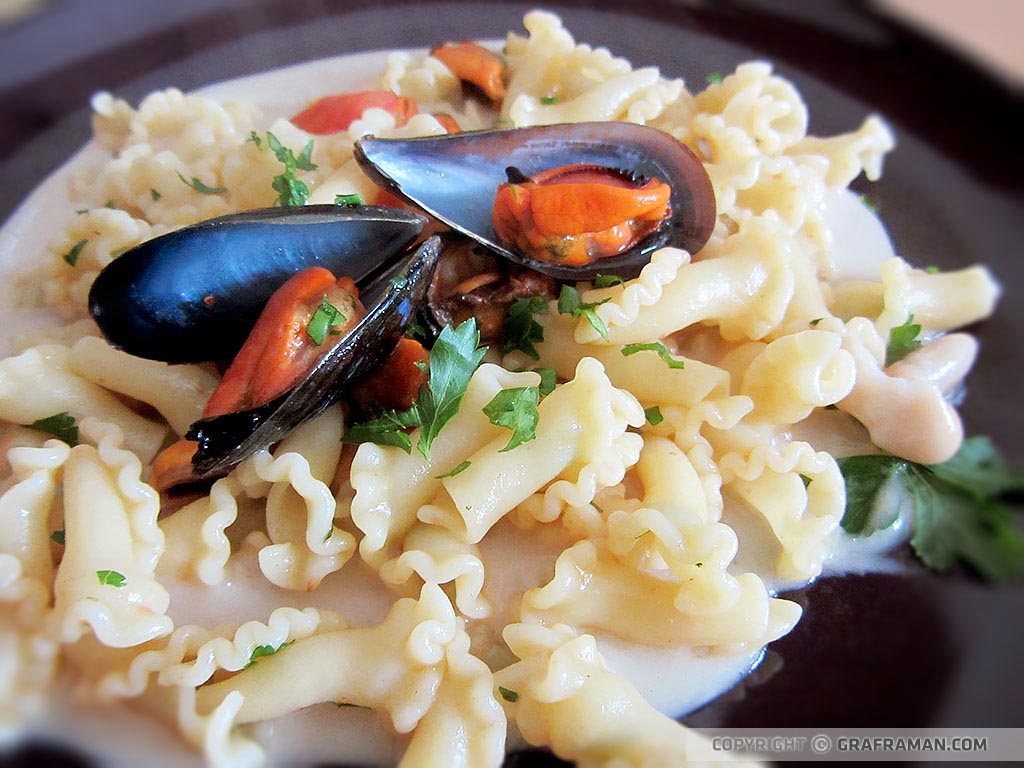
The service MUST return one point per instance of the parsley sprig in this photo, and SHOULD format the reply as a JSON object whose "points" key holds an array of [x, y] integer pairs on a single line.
{"points": [[903, 339], [515, 409], [197, 184], [453, 359], [654, 346], [291, 190], [570, 303], [959, 512], [61, 425], [262, 651], [521, 331], [326, 317]]}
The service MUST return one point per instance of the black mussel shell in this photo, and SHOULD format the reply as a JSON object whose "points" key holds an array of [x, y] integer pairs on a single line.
{"points": [[391, 304], [455, 179], [195, 293]]}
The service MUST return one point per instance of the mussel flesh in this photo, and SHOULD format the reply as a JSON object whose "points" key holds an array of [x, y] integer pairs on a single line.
{"points": [[193, 294], [455, 178], [391, 305]]}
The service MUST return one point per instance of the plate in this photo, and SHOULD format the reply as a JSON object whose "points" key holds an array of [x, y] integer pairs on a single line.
{"points": [[871, 651]]}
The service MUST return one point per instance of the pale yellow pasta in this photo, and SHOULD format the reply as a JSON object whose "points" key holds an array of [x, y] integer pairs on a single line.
{"points": [[197, 548], [427, 82], [40, 382]]}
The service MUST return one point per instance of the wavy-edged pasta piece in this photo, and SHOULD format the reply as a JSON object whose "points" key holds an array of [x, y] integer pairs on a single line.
{"points": [[850, 153], [465, 726], [437, 556], [40, 383], [395, 667], [797, 373], [178, 392], [391, 485], [938, 302], [581, 445], [428, 81], [799, 492], [306, 545], [28, 668], [569, 701], [215, 733], [112, 543], [197, 547]]}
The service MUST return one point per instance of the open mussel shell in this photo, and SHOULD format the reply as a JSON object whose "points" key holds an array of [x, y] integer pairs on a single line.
{"points": [[195, 293], [391, 305], [455, 179]]}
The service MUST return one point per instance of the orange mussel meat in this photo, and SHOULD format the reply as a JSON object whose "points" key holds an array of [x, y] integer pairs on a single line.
{"points": [[577, 214]]}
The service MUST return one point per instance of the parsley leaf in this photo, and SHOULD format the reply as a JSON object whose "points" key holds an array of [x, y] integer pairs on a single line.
{"points": [[548, 380], [112, 578], [58, 537], [932, 270], [262, 651], [515, 409], [155, 195], [653, 415], [416, 331], [324, 318], [460, 467], [570, 303], [198, 186], [350, 201], [521, 330], [61, 425], [958, 514], [867, 203], [290, 189], [453, 360], [549, 100], [607, 281], [71, 257], [255, 139], [903, 339], [654, 346], [714, 78], [508, 695]]}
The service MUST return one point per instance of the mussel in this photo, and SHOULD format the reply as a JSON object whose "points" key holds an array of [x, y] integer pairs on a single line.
{"points": [[455, 178], [193, 294]]}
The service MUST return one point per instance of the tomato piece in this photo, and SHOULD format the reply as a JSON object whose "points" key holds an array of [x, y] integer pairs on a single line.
{"points": [[333, 114]]}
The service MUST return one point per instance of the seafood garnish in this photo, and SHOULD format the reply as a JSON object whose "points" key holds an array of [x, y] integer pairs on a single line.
{"points": [[455, 178]]}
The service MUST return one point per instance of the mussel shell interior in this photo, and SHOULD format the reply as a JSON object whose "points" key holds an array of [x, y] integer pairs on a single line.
{"points": [[195, 293], [455, 179], [226, 440]]}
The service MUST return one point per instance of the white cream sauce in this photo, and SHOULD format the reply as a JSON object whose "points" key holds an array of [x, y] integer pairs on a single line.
{"points": [[674, 681]]}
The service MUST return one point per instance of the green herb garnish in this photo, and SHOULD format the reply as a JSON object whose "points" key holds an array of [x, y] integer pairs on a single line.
{"points": [[549, 100], [508, 695], [255, 139], [460, 467], [607, 281], [155, 195], [959, 512], [198, 186], [291, 191], [323, 320], [932, 270], [654, 346], [515, 409], [521, 331], [61, 425], [350, 201], [262, 651], [111, 578], [653, 415], [548, 380], [58, 536], [715, 78], [71, 257], [903, 339], [867, 203], [570, 303]]}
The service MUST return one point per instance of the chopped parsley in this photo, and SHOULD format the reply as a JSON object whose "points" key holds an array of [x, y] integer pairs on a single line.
{"points": [[61, 425], [290, 189], [460, 467], [548, 380], [903, 339], [654, 346], [508, 695], [198, 186], [515, 409], [867, 203], [255, 139], [932, 269], [521, 330], [549, 100], [71, 257], [715, 78], [349, 201], [806, 480], [416, 331], [653, 415], [111, 578], [453, 359], [816, 320], [958, 506], [262, 651], [58, 537], [570, 303], [155, 195], [607, 281], [323, 320]]}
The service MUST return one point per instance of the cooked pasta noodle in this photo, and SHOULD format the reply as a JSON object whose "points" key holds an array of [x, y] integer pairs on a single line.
{"points": [[493, 576]]}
